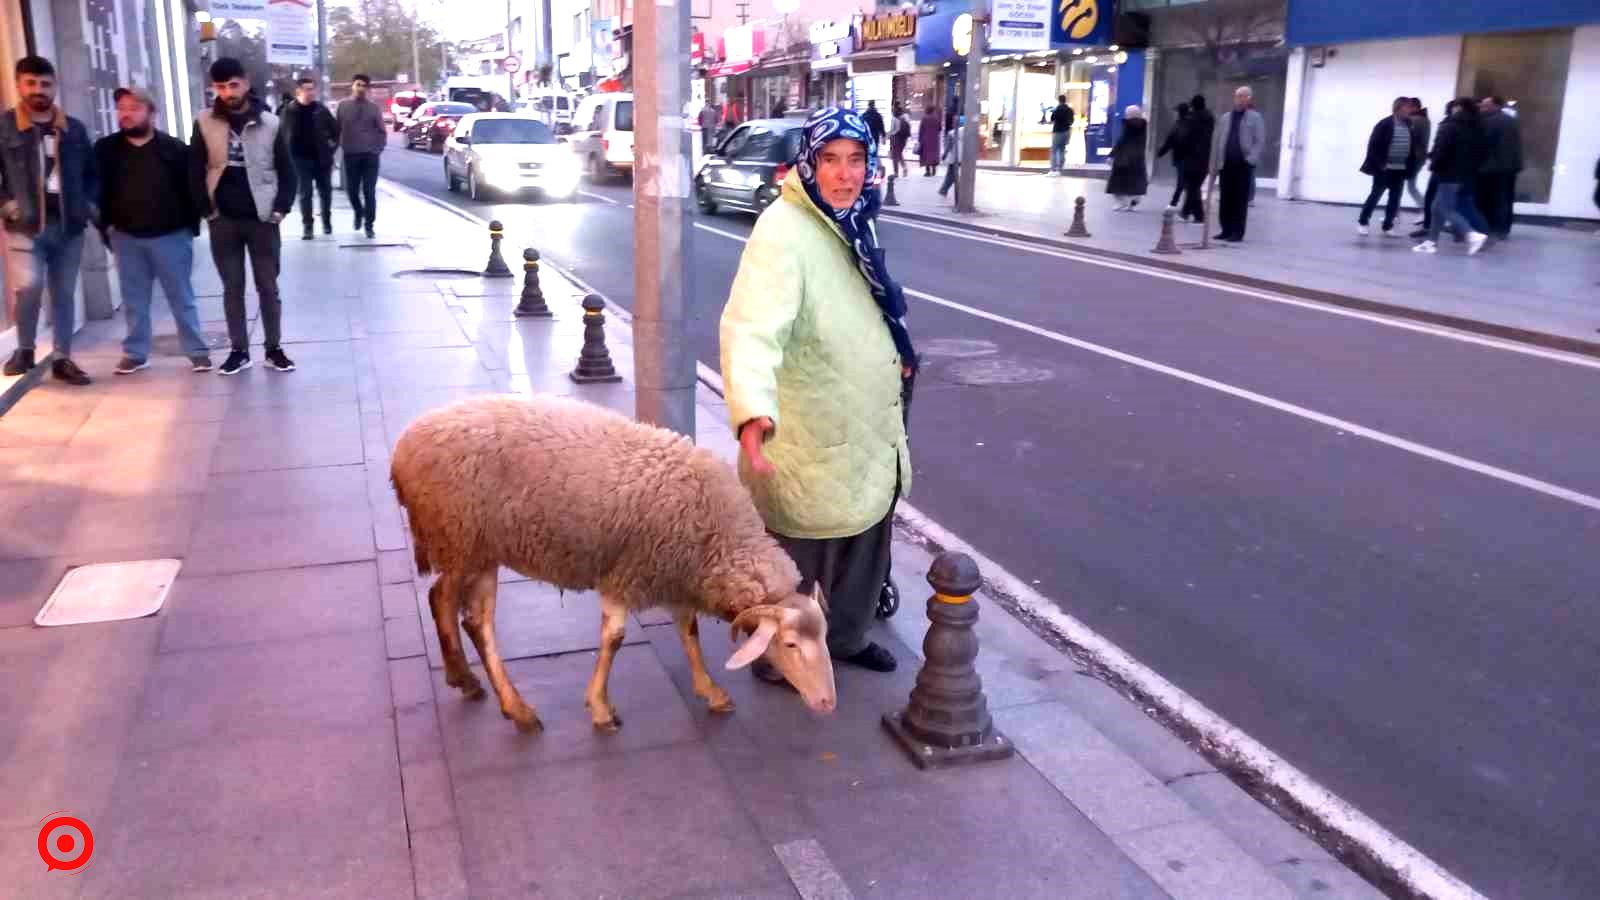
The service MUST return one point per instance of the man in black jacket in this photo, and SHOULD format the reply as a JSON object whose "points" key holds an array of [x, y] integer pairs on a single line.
{"points": [[1393, 156], [1060, 132], [1457, 157], [312, 134], [1497, 181], [148, 219]]}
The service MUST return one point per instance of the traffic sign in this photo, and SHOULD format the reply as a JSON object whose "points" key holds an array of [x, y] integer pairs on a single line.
{"points": [[511, 63]]}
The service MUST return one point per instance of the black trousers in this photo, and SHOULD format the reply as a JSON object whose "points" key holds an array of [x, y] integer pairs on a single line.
{"points": [[361, 183], [951, 181], [312, 173], [1496, 192], [1234, 206], [1393, 181], [231, 240], [1194, 204], [851, 571]]}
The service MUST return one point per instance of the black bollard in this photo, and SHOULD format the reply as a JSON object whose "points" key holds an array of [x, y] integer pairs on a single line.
{"points": [[888, 199], [594, 362], [497, 264], [1167, 243], [1078, 229], [532, 304], [947, 722]]}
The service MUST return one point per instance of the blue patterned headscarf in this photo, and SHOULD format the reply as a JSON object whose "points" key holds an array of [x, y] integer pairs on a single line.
{"points": [[858, 222]]}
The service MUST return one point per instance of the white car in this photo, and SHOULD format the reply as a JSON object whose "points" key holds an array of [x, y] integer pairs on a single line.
{"points": [[509, 153], [602, 134]]}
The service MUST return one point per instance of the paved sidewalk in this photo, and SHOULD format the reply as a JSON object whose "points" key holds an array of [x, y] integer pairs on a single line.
{"points": [[1543, 280], [282, 727]]}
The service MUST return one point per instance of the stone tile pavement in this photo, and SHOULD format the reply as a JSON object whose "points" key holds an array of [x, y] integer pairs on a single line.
{"points": [[282, 727]]}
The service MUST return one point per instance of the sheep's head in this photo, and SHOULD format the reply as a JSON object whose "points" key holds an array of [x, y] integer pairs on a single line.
{"points": [[792, 635]]}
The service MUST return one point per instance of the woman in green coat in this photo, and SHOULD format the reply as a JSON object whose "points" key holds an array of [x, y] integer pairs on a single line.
{"points": [[815, 355]]}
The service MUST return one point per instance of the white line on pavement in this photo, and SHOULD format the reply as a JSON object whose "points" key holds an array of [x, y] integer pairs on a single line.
{"points": [[600, 197], [1444, 456], [1216, 284]]}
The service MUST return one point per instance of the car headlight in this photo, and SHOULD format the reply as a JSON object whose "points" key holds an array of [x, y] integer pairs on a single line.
{"points": [[501, 173]]}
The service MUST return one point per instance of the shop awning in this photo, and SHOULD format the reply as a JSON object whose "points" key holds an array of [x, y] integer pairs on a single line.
{"points": [[724, 69]]}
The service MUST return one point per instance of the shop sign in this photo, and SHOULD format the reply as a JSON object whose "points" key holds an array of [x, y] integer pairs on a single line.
{"points": [[1082, 22], [1020, 24], [697, 49], [889, 29], [829, 39]]}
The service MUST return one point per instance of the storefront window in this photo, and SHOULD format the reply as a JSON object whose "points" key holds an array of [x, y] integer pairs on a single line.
{"points": [[1185, 72], [1528, 69]]}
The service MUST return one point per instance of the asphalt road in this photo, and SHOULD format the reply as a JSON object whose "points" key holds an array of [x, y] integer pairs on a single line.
{"points": [[1373, 548]]}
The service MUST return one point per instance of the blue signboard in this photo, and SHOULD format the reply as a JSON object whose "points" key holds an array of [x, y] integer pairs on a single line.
{"points": [[941, 24], [1325, 22], [1080, 23]]}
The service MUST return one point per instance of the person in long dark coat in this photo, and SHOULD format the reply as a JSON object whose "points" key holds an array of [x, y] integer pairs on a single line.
{"points": [[1129, 177], [1176, 144], [1196, 156], [928, 149]]}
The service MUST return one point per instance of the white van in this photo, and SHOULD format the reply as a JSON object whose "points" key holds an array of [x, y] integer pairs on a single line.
{"points": [[553, 107], [602, 135]]}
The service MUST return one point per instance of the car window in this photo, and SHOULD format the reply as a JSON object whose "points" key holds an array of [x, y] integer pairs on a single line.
{"points": [[624, 115], [512, 131], [762, 145], [597, 120], [563, 103], [730, 148], [791, 145], [456, 109]]}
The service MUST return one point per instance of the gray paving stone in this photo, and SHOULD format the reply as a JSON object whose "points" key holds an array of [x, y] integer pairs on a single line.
{"points": [[1121, 720], [232, 610], [1258, 830], [146, 527], [281, 541], [1195, 860], [247, 494], [399, 600], [403, 638], [534, 619], [396, 567], [428, 798], [417, 730], [410, 682], [309, 440], [437, 865], [23, 873], [1324, 880]]}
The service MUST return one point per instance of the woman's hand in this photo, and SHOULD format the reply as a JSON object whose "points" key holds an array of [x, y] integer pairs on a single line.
{"points": [[751, 436]]}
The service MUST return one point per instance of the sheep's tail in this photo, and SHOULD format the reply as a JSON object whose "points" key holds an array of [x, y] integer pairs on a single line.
{"points": [[419, 550]]}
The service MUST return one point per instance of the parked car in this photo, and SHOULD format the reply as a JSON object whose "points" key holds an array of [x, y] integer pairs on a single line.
{"points": [[602, 134], [401, 106], [549, 106], [745, 171], [509, 153], [433, 122]]}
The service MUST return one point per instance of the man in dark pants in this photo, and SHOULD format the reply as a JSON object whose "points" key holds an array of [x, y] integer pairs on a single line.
{"points": [[312, 135], [1060, 132], [243, 180], [1497, 180], [362, 136], [1195, 150], [1393, 156], [1240, 137], [48, 188]]}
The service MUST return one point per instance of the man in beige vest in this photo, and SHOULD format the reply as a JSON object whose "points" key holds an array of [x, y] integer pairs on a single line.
{"points": [[243, 179]]}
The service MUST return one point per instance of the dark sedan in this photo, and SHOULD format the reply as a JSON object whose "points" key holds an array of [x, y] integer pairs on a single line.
{"points": [[432, 123], [745, 171]]}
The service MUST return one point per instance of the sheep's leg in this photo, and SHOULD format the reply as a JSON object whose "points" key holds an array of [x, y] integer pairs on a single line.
{"points": [[444, 598], [613, 626], [479, 619], [717, 699]]}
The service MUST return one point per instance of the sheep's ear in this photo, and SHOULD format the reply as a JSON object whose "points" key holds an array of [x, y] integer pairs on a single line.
{"points": [[752, 649], [816, 594]]}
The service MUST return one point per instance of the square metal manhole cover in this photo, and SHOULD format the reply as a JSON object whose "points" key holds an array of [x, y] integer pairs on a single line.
{"points": [[109, 592]]}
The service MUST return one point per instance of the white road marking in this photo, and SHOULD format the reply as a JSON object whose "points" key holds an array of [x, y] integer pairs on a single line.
{"points": [[1433, 453], [600, 197], [1220, 285]]}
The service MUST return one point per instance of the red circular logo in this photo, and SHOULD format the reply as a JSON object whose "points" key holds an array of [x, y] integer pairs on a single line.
{"points": [[65, 843]]}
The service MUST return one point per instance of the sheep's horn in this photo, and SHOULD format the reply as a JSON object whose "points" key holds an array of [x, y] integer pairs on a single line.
{"points": [[742, 622]]}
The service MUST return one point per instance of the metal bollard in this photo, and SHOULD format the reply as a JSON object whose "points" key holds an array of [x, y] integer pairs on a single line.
{"points": [[1078, 229], [497, 264], [947, 721], [888, 199], [532, 304], [594, 362], [1167, 244]]}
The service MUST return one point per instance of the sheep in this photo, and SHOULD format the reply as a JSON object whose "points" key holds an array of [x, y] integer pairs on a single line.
{"points": [[580, 497]]}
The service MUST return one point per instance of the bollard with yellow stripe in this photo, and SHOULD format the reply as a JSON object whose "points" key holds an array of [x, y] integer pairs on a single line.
{"points": [[594, 362], [496, 267], [947, 721]]}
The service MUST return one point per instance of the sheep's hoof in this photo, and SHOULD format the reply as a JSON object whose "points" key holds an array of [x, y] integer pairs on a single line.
{"points": [[610, 724], [720, 704], [471, 687], [527, 721]]}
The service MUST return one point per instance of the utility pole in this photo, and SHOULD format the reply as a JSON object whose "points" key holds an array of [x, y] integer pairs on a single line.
{"points": [[416, 62], [547, 36], [967, 178], [323, 76], [664, 364], [511, 77]]}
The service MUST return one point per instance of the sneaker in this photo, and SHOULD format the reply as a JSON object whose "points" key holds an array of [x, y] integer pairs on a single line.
{"points": [[371, 233], [236, 362], [20, 363], [200, 363], [1389, 232], [277, 360], [130, 365], [1363, 230], [1419, 234], [68, 371], [1426, 247], [1475, 242]]}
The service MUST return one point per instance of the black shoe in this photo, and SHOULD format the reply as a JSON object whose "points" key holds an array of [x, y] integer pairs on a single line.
{"points": [[357, 226], [68, 371], [20, 363], [237, 362], [1419, 234], [307, 234], [872, 657], [327, 224], [370, 232], [277, 360]]}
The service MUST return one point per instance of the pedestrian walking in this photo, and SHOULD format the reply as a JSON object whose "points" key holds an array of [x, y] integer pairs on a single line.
{"points": [[1060, 132], [1393, 157], [1457, 156], [928, 144], [312, 135], [875, 126], [1199, 128], [1497, 182], [1235, 152], [816, 369], [899, 136], [149, 219], [48, 186], [243, 179], [1130, 178], [1421, 135], [1174, 143], [953, 148], [362, 139]]}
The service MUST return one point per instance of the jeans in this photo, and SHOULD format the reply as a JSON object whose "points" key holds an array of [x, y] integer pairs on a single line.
{"points": [[1393, 181], [309, 173], [950, 174], [1058, 150], [1467, 204], [1446, 209], [51, 259], [1233, 209], [141, 262], [231, 239], [361, 183]]}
